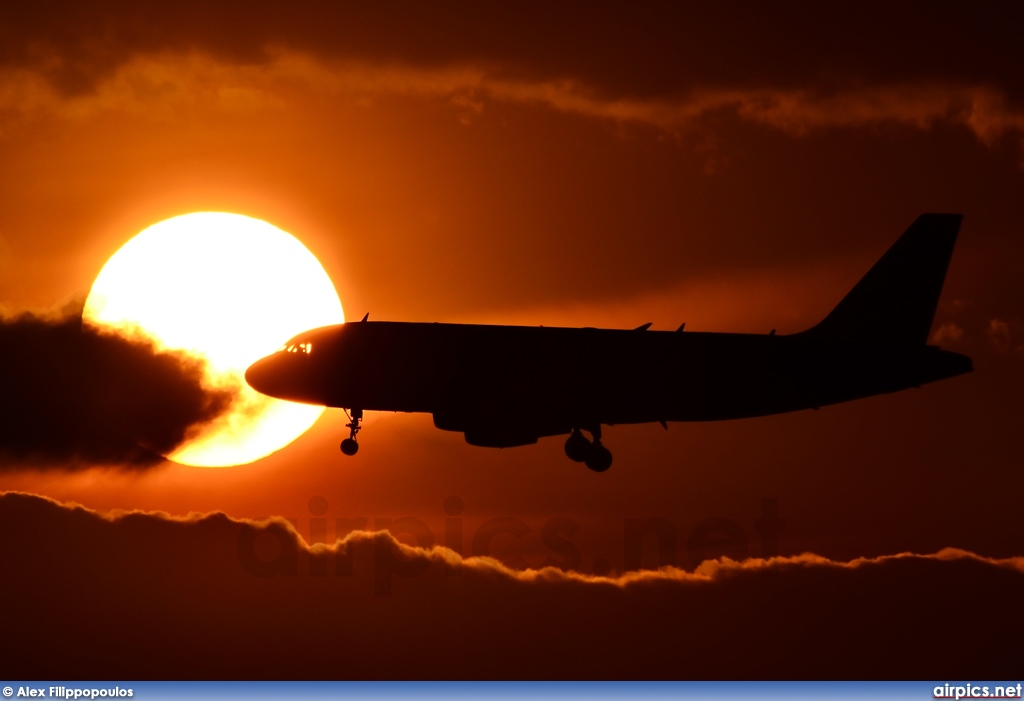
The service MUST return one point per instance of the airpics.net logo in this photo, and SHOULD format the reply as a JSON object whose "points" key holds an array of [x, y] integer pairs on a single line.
{"points": [[977, 691], [274, 553]]}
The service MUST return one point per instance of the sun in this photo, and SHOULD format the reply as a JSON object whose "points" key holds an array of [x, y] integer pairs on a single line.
{"points": [[230, 289]]}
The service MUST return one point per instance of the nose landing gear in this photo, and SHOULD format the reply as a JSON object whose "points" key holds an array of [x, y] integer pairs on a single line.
{"points": [[592, 453], [349, 446]]}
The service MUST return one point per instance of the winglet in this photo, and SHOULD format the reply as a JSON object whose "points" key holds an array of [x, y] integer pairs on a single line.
{"points": [[366, 316], [644, 327]]}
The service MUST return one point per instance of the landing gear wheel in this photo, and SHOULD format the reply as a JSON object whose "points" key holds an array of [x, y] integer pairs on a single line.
{"points": [[599, 458], [577, 446], [349, 445]]}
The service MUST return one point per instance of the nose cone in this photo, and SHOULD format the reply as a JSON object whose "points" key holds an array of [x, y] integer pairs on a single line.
{"points": [[262, 377]]}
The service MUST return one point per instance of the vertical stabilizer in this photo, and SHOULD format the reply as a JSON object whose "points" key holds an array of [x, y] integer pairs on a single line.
{"points": [[895, 302]]}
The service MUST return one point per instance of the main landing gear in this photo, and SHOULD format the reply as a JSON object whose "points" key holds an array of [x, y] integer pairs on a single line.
{"points": [[592, 453], [349, 446]]}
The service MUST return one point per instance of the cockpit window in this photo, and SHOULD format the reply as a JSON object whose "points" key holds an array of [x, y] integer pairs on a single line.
{"points": [[304, 348]]}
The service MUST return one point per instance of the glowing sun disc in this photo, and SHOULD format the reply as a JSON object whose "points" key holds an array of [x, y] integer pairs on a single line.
{"points": [[230, 289]]}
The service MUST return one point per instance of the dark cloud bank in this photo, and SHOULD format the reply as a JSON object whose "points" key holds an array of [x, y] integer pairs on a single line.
{"points": [[73, 397], [649, 49], [144, 596]]}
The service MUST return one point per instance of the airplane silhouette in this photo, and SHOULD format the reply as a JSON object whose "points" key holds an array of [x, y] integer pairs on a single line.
{"points": [[505, 386]]}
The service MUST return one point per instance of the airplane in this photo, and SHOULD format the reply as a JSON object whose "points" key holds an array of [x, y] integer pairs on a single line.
{"points": [[505, 386]]}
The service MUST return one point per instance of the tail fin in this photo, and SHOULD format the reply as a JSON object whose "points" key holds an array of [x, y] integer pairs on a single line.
{"points": [[895, 302]]}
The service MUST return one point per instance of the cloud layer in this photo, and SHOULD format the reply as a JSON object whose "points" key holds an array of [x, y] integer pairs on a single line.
{"points": [[661, 50], [170, 83], [145, 595], [75, 397], [795, 69]]}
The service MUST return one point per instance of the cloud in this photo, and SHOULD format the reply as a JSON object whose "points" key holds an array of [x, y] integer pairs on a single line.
{"points": [[665, 49], [1005, 336], [983, 111], [75, 397], [146, 595], [947, 333], [668, 67], [161, 86]]}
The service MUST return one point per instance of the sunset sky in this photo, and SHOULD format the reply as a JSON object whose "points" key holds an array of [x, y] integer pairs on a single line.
{"points": [[735, 167]]}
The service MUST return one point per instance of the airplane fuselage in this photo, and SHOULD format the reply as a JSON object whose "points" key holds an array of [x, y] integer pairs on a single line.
{"points": [[504, 386], [510, 385]]}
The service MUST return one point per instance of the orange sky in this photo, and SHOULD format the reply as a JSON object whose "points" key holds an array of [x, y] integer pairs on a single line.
{"points": [[583, 165]]}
